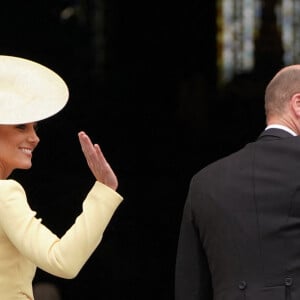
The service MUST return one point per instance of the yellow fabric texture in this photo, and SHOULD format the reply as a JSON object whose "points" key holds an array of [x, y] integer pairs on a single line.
{"points": [[25, 243]]}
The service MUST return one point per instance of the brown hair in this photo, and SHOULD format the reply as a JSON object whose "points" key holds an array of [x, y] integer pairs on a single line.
{"points": [[281, 88]]}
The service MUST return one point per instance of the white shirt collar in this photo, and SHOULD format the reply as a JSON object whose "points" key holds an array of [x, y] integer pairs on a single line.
{"points": [[283, 128]]}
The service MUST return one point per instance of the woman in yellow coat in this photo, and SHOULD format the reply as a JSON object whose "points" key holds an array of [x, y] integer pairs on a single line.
{"points": [[30, 92]]}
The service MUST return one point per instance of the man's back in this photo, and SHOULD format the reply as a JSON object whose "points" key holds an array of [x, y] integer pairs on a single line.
{"points": [[240, 234]]}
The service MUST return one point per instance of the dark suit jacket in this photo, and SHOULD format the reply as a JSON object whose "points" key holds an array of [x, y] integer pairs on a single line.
{"points": [[240, 231]]}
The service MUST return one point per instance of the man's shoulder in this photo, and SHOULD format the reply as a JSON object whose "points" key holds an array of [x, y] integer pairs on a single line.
{"points": [[227, 158], [226, 165], [279, 148]]}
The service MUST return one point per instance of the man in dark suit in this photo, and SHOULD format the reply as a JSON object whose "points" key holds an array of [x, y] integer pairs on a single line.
{"points": [[240, 231]]}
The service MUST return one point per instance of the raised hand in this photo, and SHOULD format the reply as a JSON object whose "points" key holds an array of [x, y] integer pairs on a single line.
{"points": [[97, 162]]}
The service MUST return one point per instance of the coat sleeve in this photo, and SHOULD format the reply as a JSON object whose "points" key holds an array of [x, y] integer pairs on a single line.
{"points": [[65, 256], [192, 275]]}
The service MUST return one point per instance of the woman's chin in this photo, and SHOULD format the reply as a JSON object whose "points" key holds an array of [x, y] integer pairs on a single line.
{"points": [[25, 166]]}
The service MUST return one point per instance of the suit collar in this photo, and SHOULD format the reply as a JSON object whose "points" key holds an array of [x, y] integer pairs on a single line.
{"points": [[283, 127], [274, 133]]}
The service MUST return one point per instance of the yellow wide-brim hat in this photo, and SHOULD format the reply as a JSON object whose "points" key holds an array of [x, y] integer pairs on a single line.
{"points": [[29, 91]]}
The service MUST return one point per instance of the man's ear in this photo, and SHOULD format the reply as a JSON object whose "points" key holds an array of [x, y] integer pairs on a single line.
{"points": [[295, 103]]}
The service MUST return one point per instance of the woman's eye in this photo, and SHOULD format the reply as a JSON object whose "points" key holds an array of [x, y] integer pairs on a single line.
{"points": [[27, 126], [21, 126]]}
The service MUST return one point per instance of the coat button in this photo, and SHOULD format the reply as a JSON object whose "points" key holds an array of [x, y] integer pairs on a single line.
{"points": [[242, 284], [288, 281]]}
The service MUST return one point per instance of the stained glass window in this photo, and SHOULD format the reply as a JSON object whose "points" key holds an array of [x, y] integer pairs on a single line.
{"points": [[238, 23], [288, 19]]}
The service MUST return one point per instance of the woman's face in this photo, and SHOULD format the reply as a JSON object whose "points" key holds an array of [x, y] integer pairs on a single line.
{"points": [[16, 145]]}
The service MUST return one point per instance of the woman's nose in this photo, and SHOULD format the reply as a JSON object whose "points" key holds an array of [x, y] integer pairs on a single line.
{"points": [[33, 137]]}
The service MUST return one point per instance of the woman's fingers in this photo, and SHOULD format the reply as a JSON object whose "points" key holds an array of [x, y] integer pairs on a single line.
{"points": [[97, 162]]}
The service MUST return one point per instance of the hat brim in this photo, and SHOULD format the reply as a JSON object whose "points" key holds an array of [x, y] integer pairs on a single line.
{"points": [[29, 91]]}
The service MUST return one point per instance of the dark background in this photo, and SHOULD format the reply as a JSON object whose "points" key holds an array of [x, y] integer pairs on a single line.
{"points": [[148, 95]]}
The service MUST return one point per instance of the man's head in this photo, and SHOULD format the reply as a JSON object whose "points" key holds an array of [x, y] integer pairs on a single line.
{"points": [[282, 98]]}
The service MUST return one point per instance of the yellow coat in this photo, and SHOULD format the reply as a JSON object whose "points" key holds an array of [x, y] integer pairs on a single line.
{"points": [[25, 243]]}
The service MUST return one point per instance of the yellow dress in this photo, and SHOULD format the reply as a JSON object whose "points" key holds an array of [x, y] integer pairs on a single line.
{"points": [[25, 243]]}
